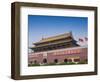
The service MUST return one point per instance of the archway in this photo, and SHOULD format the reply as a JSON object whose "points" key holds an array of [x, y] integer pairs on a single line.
{"points": [[65, 60], [45, 60], [56, 60], [35, 62]]}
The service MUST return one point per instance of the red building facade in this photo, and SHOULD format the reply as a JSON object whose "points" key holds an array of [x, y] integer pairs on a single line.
{"points": [[57, 49], [75, 54]]}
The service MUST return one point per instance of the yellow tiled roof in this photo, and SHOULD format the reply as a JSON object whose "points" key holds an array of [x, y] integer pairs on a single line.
{"points": [[55, 37], [51, 43]]}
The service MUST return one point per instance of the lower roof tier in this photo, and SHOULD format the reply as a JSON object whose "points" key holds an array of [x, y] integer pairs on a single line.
{"points": [[54, 47]]}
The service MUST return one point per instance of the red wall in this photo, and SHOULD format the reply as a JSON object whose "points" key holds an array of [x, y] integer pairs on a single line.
{"points": [[60, 55]]}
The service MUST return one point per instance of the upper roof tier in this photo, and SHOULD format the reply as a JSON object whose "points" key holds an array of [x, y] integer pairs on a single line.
{"points": [[61, 36]]}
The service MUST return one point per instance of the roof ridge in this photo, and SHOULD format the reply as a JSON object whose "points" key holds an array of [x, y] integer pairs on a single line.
{"points": [[56, 36]]}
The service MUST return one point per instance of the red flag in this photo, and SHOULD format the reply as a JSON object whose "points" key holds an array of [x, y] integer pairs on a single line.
{"points": [[86, 39], [81, 40]]}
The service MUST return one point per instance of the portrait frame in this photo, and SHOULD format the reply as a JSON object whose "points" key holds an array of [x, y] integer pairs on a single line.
{"points": [[16, 36]]}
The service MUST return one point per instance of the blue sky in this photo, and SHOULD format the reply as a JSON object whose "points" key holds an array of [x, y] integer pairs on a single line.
{"points": [[45, 26]]}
